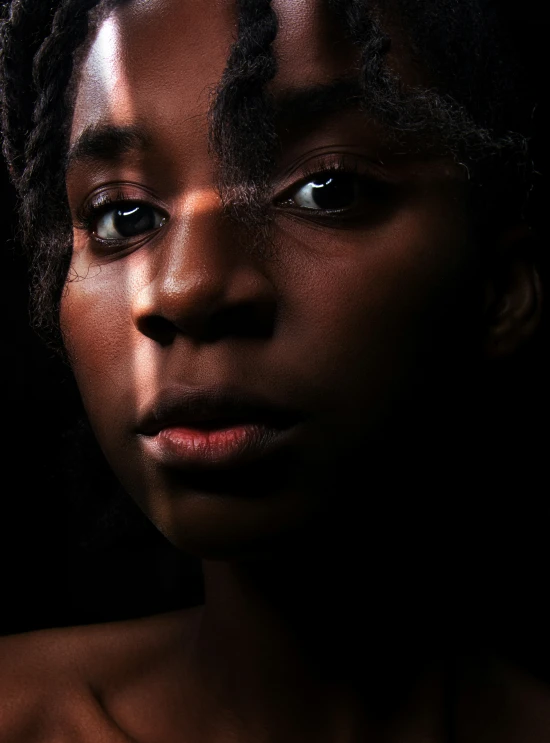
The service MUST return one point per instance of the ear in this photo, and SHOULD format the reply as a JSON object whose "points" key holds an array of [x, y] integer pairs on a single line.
{"points": [[513, 296]]}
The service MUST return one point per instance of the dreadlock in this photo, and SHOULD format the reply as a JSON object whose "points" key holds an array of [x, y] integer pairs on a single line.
{"points": [[470, 108], [242, 97], [35, 124]]}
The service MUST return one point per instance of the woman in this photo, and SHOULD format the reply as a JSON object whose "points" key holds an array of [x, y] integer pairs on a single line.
{"points": [[278, 242]]}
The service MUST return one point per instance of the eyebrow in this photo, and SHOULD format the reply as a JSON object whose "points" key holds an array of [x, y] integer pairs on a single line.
{"points": [[296, 105], [110, 142], [107, 142]]}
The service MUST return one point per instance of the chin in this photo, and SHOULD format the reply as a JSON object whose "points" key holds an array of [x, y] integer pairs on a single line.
{"points": [[225, 525]]}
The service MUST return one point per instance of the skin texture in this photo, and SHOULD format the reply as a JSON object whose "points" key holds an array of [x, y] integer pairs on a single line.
{"points": [[341, 322], [370, 325]]}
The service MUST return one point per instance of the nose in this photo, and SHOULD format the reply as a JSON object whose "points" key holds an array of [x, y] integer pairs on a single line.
{"points": [[205, 282]]}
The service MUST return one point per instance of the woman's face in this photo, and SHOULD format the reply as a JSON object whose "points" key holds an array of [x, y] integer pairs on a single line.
{"points": [[306, 355]]}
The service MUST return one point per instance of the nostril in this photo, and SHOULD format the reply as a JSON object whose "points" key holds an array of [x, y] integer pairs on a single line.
{"points": [[157, 328], [220, 295], [246, 320]]}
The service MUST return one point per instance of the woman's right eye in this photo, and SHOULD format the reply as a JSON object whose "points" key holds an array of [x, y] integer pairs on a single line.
{"points": [[127, 220]]}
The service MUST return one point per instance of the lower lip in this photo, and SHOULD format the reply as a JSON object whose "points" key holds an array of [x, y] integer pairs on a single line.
{"points": [[191, 447]]}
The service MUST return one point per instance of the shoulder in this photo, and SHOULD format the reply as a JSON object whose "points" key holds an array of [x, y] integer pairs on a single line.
{"points": [[42, 693], [30, 680], [52, 682]]}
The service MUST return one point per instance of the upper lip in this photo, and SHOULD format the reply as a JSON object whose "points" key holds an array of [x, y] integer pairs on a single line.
{"points": [[208, 407]]}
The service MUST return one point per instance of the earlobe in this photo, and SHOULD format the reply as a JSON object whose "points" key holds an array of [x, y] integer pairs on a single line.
{"points": [[513, 299]]}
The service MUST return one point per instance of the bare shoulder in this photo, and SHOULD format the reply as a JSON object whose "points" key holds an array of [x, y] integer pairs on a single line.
{"points": [[52, 682], [43, 695], [32, 681]]}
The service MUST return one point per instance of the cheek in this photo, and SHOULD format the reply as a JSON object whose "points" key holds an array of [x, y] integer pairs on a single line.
{"points": [[379, 313], [95, 321]]}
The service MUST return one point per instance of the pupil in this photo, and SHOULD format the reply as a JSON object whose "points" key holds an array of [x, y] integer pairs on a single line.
{"points": [[133, 220], [334, 192]]}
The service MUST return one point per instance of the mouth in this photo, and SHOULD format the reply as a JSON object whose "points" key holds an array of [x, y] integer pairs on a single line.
{"points": [[190, 428]]}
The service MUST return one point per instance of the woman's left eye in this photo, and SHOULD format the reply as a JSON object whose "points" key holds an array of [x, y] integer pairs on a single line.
{"points": [[128, 220], [327, 192]]}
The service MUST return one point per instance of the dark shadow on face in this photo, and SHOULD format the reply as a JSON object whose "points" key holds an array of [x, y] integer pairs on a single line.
{"points": [[363, 305]]}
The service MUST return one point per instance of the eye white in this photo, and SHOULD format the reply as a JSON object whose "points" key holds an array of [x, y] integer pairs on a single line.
{"points": [[304, 197]]}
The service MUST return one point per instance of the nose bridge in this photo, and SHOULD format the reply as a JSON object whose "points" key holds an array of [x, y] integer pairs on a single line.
{"points": [[200, 268], [197, 258]]}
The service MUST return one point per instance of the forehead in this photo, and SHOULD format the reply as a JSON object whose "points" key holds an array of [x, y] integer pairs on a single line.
{"points": [[160, 60]]}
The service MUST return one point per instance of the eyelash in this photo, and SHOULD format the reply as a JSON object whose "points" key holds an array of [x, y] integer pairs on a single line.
{"points": [[329, 164], [90, 212], [371, 179]]}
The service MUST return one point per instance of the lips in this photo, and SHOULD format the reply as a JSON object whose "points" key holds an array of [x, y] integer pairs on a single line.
{"points": [[190, 428]]}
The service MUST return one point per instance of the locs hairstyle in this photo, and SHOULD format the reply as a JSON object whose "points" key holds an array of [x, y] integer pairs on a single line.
{"points": [[472, 109]]}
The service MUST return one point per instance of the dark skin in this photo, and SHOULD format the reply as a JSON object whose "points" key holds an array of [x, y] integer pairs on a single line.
{"points": [[359, 321], [320, 290]]}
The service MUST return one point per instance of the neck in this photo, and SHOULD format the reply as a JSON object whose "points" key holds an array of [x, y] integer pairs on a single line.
{"points": [[325, 637], [344, 630]]}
